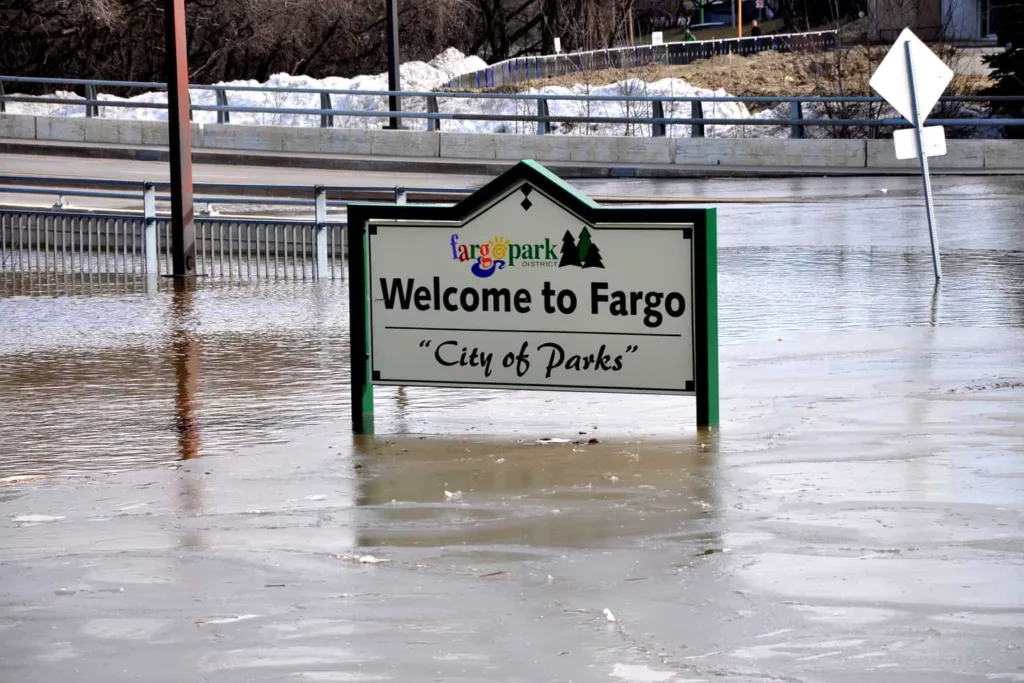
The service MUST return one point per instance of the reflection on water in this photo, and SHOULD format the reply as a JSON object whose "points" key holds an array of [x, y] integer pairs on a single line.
{"points": [[187, 353], [106, 372], [109, 375], [568, 496]]}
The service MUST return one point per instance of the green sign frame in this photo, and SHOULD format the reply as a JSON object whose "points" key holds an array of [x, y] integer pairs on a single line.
{"points": [[705, 275]]}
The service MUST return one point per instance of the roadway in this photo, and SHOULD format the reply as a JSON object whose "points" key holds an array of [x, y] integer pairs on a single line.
{"points": [[898, 192], [78, 172]]}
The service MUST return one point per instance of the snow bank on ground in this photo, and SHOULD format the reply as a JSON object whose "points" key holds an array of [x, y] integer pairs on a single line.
{"points": [[430, 76], [422, 76]]}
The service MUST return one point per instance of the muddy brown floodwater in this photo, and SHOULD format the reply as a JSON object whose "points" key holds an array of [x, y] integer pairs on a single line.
{"points": [[181, 497]]}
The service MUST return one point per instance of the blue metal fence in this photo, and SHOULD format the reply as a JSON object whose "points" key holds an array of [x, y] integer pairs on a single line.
{"points": [[519, 69]]}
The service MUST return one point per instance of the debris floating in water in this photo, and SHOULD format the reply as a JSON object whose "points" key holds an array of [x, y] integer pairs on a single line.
{"points": [[20, 479], [609, 616], [227, 620], [37, 519], [452, 495], [361, 559]]}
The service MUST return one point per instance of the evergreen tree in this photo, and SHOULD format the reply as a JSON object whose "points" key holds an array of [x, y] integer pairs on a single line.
{"points": [[1008, 66], [570, 254], [593, 259], [585, 243]]}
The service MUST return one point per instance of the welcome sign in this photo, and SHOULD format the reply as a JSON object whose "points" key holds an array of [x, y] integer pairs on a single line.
{"points": [[529, 284]]}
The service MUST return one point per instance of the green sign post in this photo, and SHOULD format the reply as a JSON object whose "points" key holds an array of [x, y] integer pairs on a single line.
{"points": [[529, 284]]}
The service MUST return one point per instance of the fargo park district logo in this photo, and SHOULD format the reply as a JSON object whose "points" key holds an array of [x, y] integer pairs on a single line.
{"points": [[499, 252]]}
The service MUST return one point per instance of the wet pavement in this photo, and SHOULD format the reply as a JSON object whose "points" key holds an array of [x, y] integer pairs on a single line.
{"points": [[859, 514]]}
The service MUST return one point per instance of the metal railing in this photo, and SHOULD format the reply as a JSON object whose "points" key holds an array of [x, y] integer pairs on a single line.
{"points": [[654, 114], [72, 243], [66, 241], [521, 69]]}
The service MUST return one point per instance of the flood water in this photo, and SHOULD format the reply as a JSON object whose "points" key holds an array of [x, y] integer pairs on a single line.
{"points": [[860, 510]]}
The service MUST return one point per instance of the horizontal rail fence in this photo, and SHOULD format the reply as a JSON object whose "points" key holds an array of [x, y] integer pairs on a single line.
{"points": [[520, 69], [93, 243], [250, 249], [70, 244], [656, 113], [71, 241]]}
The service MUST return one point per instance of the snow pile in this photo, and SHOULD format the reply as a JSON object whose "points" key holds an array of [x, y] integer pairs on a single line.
{"points": [[630, 109], [416, 76], [454, 63], [423, 77]]}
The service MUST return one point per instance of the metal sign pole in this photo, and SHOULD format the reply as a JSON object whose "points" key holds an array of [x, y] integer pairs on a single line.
{"points": [[394, 78], [919, 130], [183, 229]]}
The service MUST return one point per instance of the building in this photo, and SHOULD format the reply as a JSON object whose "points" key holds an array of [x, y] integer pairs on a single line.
{"points": [[956, 20]]}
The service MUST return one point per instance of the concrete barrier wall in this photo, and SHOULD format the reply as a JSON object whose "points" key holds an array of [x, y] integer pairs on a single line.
{"points": [[106, 131], [1003, 154], [597, 148], [762, 152], [959, 154], [15, 127], [618, 151]]}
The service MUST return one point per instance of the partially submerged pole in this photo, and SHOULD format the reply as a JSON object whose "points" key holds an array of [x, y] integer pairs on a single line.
{"points": [[919, 132], [183, 230]]}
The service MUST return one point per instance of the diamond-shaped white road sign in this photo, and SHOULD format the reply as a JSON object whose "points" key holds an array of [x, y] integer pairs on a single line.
{"points": [[892, 82]]}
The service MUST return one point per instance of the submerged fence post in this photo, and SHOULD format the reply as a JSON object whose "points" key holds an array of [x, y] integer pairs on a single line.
{"points": [[149, 240], [320, 196]]}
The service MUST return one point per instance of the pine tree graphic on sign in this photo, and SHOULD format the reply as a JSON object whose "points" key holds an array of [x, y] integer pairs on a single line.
{"points": [[590, 255], [593, 259], [584, 243], [570, 254]]}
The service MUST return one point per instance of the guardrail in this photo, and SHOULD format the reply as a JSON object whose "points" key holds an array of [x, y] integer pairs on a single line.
{"points": [[657, 113], [138, 242], [67, 240], [520, 69]]}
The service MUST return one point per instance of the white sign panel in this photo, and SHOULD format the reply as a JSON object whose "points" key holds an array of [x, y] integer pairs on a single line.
{"points": [[905, 140], [657, 38], [526, 294], [892, 82]]}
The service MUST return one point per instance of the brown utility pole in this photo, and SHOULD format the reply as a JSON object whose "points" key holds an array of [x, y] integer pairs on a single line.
{"points": [[183, 228], [394, 77]]}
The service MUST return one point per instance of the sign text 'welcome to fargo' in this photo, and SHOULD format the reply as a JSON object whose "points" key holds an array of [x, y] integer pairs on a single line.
{"points": [[528, 284]]}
